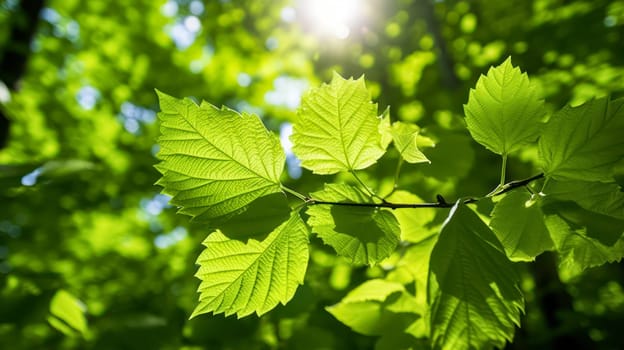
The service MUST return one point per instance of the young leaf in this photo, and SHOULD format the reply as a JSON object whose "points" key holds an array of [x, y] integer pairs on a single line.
{"points": [[255, 276], [520, 229], [337, 128], [473, 287], [584, 142], [599, 197], [583, 238], [504, 111], [214, 162], [376, 307], [404, 137], [365, 235]]}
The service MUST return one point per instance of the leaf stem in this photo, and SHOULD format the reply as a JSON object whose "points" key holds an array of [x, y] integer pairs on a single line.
{"points": [[368, 189], [396, 174], [294, 193], [503, 171]]}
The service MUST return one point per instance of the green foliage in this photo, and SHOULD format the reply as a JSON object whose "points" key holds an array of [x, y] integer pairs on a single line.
{"points": [[341, 226], [603, 198], [376, 307], [405, 138], [458, 289], [584, 142], [519, 225], [67, 314], [583, 238], [337, 128], [215, 162], [79, 212], [503, 112], [253, 276], [473, 288]]}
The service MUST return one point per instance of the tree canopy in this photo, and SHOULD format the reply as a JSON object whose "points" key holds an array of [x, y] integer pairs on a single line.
{"points": [[151, 150]]}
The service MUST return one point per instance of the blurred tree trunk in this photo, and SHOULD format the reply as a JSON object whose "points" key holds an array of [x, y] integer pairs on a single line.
{"points": [[15, 54]]}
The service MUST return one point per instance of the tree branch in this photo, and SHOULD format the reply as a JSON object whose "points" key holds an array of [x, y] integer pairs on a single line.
{"points": [[441, 203]]}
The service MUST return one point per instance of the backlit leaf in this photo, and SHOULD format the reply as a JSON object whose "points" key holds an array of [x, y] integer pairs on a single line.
{"points": [[412, 221], [583, 238], [584, 142], [214, 162], [254, 276], [337, 128], [504, 111], [404, 137], [365, 235], [599, 197], [473, 287], [376, 307], [520, 229]]}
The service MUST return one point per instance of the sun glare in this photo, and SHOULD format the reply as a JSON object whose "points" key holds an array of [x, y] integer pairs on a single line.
{"points": [[333, 17]]}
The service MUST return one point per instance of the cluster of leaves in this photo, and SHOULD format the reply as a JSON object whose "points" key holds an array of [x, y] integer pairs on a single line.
{"points": [[456, 288]]}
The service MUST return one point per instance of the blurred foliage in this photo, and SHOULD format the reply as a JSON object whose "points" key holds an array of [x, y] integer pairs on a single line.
{"points": [[92, 257]]}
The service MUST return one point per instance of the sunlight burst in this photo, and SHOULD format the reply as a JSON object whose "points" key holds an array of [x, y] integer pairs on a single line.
{"points": [[333, 17]]}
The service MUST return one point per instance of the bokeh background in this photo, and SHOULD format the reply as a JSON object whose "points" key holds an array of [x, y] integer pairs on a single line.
{"points": [[92, 256]]}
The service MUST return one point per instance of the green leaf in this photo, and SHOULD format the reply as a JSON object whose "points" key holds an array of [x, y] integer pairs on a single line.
{"points": [[504, 111], [520, 229], [416, 261], [255, 276], [375, 307], [473, 287], [412, 221], [584, 142], [214, 162], [67, 314], [337, 128], [599, 197], [583, 238], [365, 235], [258, 219], [404, 137]]}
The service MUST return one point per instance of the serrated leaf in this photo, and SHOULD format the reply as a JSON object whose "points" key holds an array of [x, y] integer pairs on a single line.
{"points": [[375, 307], [599, 197], [243, 278], [583, 238], [214, 162], [337, 128], [520, 229], [365, 235], [67, 314], [584, 142], [473, 287], [504, 111], [405, 140]]}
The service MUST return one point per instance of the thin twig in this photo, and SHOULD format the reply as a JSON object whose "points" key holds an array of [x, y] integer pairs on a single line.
{"points": [[441, 203]]}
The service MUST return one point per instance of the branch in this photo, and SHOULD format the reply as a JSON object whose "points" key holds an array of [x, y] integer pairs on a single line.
{"points": [[441, 203]]}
